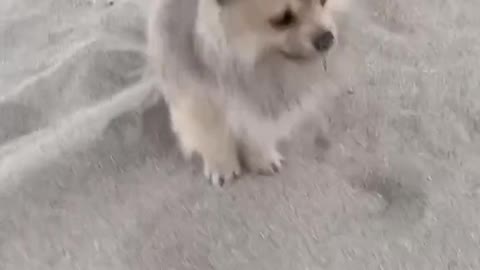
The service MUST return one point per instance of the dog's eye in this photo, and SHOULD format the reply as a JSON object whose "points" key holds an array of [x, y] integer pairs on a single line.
{"points": [[284, 20], [323, 2]]}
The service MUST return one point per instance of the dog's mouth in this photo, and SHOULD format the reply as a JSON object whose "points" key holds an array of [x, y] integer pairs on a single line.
{"points": [[297, 57], [305, 59]]}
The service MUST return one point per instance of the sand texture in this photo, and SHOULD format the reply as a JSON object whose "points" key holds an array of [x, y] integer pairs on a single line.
{"points": [[90, 177]]}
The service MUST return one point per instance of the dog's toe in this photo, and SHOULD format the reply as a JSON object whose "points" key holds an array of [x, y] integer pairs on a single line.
{"points": [[277, 164], [219, 178], [265, 163]]}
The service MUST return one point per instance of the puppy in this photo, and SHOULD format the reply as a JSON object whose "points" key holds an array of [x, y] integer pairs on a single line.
{"points": [[239, 75]]}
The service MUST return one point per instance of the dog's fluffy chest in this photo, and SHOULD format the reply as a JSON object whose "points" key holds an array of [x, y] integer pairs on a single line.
{"points": [[276, 88]]}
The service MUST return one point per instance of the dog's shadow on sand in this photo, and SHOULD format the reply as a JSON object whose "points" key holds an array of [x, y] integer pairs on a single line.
{"points": [[156, 128]]}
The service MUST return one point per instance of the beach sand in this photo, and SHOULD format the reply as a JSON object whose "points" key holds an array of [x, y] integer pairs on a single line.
{"points": [[90, 176]]}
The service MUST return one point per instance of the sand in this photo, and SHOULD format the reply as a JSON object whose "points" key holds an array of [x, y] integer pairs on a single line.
{"points": [[90, 177]]}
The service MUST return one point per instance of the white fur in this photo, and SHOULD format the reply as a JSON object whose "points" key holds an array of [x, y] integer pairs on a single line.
{"points": [[231, 100]]}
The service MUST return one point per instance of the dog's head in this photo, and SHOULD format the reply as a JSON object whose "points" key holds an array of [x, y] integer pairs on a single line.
{"points": [[297, 29]]}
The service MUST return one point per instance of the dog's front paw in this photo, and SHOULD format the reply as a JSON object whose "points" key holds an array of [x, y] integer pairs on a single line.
{"points": [[262, 161], [222, 172]]}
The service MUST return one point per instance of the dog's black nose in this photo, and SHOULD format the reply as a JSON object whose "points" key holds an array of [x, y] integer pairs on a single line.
{"points": [[323, 41]]}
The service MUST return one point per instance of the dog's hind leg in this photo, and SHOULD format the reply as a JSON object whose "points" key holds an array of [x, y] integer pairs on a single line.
{"points": [[201, 127]]}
